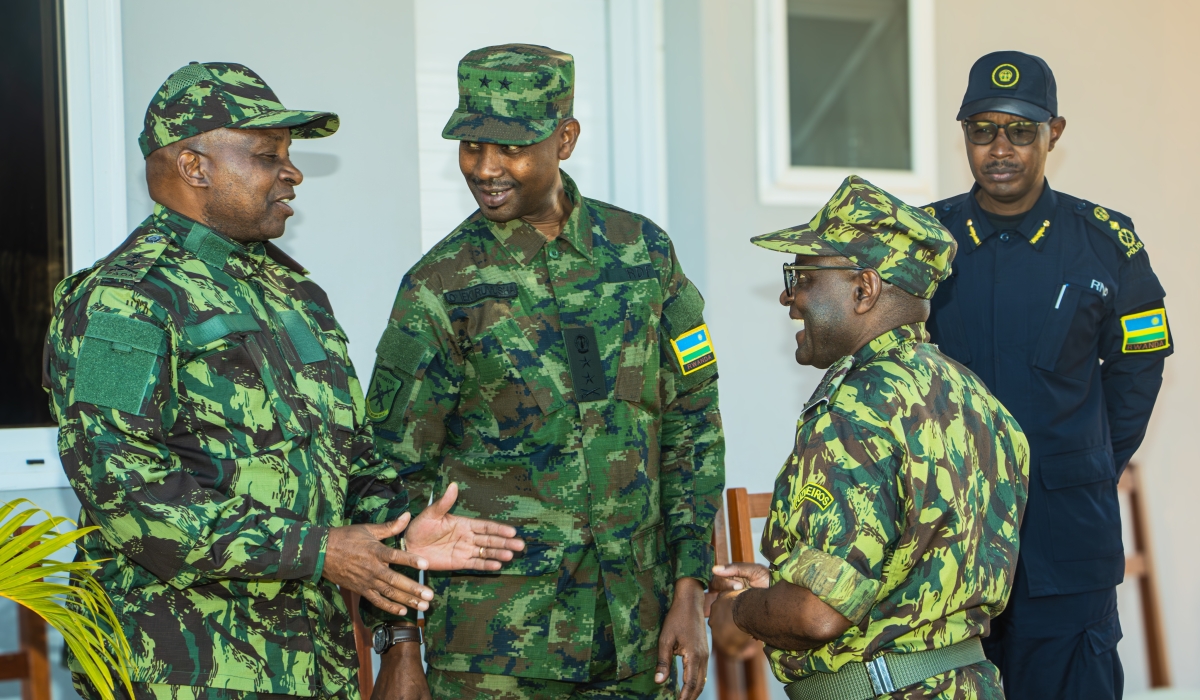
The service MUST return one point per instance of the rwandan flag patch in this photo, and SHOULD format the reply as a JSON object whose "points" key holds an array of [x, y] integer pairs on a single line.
{"points": [[694, 349], [1146, 331]]}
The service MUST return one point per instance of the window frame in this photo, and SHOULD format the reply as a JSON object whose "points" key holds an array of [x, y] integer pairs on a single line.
{"points": [[94, 111], [780, 182]]}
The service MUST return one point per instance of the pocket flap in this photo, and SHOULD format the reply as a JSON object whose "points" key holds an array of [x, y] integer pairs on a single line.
{"points": [[1104, 635], [1077, 469], [650, 548], [218, 327], [527, 362], [536, 559]]}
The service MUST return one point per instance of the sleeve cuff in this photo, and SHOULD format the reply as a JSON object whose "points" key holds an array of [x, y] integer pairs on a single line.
{"points": [[693, 559], [319, 566], [832, 579]]}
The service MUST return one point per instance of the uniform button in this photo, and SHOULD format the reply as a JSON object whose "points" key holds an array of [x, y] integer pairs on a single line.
{"points": [[553, 253], [1004, 236], [946, 207], [1081, 205]]}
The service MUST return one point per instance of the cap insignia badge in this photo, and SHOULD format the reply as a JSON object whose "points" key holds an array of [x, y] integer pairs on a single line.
{"points": [[1005, 75]]}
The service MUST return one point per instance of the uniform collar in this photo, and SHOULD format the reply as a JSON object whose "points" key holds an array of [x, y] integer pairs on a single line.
{"points": [[524, 241], [1035, 227], [910, 333], [215, 249]]}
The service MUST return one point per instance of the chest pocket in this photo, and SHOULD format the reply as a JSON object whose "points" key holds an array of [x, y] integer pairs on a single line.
{"points": [[230, 388], [640, 361], [1069, 341], [510, 371]]}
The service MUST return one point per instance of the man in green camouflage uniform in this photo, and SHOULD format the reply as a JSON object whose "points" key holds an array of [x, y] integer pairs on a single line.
{"points": [[213, 428], [893, 531], [551, 357]]}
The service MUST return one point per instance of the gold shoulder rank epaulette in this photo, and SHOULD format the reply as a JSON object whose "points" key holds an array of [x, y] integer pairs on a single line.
{"points": [[132, 264], [1116, 226]]}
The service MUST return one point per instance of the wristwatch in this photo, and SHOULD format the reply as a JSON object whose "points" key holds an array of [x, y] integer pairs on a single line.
{"points": [[387, 636]]}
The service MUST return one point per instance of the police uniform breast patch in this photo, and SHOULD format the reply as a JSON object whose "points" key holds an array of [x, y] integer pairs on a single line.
{"points": [[1145, 332], [694, 349], [817, 494]]}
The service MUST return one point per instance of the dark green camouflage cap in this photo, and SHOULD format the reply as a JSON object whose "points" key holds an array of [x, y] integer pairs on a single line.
{"points": [[870, 227], [202, 97], [515, 94]]}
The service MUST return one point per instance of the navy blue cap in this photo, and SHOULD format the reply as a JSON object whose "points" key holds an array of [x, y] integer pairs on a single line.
{"points": [[1011, 82]]}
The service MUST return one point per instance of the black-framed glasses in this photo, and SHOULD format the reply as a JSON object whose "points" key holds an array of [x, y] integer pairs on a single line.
{"points": [[1020, 133], [791, 273]]}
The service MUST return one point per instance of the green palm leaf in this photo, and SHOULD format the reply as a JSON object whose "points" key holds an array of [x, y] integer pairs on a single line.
{"points": [[64, 594]]}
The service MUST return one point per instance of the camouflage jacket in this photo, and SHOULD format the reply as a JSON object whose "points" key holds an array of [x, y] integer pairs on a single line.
{"points": [[542, 377], [212, 426], [900, 505]]}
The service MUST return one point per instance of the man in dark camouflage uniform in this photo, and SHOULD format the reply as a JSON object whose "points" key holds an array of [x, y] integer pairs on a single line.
{"points": [[213, 428], [893, 531], [551, 357]]}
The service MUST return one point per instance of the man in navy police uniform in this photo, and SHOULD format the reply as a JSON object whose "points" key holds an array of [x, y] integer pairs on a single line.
{"points": [[1053, 304]]}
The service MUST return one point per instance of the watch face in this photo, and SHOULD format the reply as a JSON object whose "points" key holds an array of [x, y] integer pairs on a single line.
{"points": [[382, 637]]}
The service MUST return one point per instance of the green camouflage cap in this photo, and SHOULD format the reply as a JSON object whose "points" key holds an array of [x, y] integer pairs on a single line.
{"points": [[515, 94], [861, 222], [201, 97]]}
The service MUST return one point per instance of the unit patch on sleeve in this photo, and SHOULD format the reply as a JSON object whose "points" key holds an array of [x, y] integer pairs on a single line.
{"points": [[1145, 332], [816, 493], [694, 349]]}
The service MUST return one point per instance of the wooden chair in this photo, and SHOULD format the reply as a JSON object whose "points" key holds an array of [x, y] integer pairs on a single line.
{"points": [[31, 663], [1139, 564], [742, 680]]}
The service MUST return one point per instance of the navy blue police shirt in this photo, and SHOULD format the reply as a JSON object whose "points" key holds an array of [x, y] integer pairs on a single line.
{"points": [[1063, 319]]}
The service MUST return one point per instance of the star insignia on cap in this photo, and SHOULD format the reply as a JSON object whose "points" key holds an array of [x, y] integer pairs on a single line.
{"points": [[505, 82], [484, 82]]}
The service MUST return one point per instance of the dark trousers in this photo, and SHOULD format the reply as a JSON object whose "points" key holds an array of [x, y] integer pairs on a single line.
{"points": [[1061, 647]]}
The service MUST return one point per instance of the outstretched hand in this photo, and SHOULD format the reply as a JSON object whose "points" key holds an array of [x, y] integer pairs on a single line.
{"points": [[451, 542], [356, 558]]}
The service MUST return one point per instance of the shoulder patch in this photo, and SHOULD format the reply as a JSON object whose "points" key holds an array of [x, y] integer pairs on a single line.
{"points": [[1116, 226], [685, 311], [1145, 332], [830, 383], [130, 266], [116, 362], [400, 357], [815, 493], [694, 349]]}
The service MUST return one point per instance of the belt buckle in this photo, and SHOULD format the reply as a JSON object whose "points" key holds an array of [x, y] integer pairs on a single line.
{"points": [[881, 678]]}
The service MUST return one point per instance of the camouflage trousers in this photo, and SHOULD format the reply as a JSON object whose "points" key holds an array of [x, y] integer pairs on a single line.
{"points": [[162, 691], [458, 685], [979, 681]]}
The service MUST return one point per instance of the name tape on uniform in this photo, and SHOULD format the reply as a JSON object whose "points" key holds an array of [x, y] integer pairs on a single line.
{"points": [[694, 349], [1145, 332]]}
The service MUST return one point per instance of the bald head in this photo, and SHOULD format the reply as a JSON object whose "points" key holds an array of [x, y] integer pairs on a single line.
{"points": [[238, 182]]}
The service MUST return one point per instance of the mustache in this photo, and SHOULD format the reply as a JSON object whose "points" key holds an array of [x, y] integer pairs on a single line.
{"points": [[498, 184], [1002, 166]]}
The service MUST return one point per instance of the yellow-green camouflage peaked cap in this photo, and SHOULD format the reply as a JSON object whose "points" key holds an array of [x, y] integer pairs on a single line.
{"points": [[871, 228], [514, 94], [202, 97]]}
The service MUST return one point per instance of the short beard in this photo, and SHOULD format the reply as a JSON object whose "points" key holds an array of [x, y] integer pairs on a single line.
{"points": [[223, 214]]}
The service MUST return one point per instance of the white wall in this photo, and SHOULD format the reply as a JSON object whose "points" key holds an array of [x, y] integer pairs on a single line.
{"points": [[1126, 84], [357, 222]]}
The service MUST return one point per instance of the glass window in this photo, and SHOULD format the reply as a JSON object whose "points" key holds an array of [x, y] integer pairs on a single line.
{"points": [[33, 239], [848, 83]]}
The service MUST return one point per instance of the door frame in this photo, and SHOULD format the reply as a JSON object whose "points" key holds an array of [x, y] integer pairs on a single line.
{"points": [[96, 211]]}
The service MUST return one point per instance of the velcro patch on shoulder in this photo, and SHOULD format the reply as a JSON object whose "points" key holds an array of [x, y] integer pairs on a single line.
{"points": [[208, 246], [685, 311], [399, 349], [1145, 332], [117, 360], [400, 357]]}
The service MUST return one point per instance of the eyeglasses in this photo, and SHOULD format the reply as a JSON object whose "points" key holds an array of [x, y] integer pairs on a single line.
{"points": [[1018, 133], [790, 276]]}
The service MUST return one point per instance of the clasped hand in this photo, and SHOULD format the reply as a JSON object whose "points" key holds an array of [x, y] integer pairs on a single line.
{"points": [[356, 557], [730, 581]]}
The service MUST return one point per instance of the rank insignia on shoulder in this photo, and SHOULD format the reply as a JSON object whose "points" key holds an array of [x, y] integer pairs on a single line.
{"points": [[1145, 332], [817, 494], [694, 349]]}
